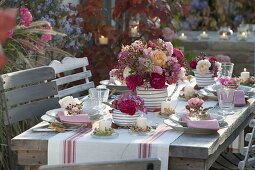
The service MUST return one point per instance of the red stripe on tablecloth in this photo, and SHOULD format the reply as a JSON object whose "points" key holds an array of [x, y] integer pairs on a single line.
{"points": [[144, 150], [86, 130], [66, 144], [70, 145]]}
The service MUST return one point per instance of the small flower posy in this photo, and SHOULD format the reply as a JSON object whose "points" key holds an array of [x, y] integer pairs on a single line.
{"points": [[155, 62], [128, 103], [72, 105], [229, 82], [203, 64], [195, 105]]}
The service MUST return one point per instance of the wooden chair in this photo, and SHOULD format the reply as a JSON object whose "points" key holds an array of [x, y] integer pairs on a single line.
{"points": [[138, 164], [26, 94], [67, 76], [249, 151]]}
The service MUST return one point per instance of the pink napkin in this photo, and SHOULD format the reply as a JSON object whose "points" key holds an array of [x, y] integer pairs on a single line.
{"points": [[75, 119], [212, 124], [204, 124]]}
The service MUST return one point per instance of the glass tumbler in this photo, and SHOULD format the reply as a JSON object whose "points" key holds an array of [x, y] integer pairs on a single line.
{"points": [[227, 69], [100, 94], [226, 99]]}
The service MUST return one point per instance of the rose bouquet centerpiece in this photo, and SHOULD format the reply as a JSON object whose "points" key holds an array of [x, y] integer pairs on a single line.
{"points": [[206, 68], [126, 109], [151, 64], [147, 67]]}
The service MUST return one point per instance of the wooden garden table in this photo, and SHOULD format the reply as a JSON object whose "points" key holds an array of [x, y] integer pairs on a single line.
{"points": [[193, 152]]}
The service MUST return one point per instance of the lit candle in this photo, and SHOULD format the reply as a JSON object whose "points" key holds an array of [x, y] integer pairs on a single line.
{"points": [[103, 40], [204, 35], [183, 36], [224, 36], [165, 105], [104, 124], [245, 75], [141, 122], [242, 36], [134, 31]]}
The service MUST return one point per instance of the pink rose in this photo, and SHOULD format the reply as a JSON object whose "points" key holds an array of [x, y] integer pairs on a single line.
{"points": [[157, 81], [193, 64], [134, 81], [128, 107], [26, 17], [158, 69], [180, 56], [195, 103]]}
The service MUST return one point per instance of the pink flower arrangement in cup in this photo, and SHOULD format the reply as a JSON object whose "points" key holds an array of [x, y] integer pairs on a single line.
{"points": [[230, 82], [204, 64], [128, 103], [155, 63], [195, 106]]}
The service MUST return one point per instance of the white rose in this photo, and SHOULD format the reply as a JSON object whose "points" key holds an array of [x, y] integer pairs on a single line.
{"points": [[65, 101], [126, 72], [203, 66], [182, 73], [189, 92]]}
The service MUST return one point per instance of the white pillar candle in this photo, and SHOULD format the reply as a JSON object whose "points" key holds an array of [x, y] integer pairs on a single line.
{"points": [[141, 122], [103, 40], [224, 36], [245, 75], [183, 36], [165, 105], [104, 124], [204, 35]]}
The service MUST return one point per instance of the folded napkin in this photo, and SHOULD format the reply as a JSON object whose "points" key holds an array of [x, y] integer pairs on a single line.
{"points": [[211, 124], [74, 119]]}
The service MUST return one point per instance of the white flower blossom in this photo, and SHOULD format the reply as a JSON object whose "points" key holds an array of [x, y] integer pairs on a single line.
{"points": [[203, 66]]}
